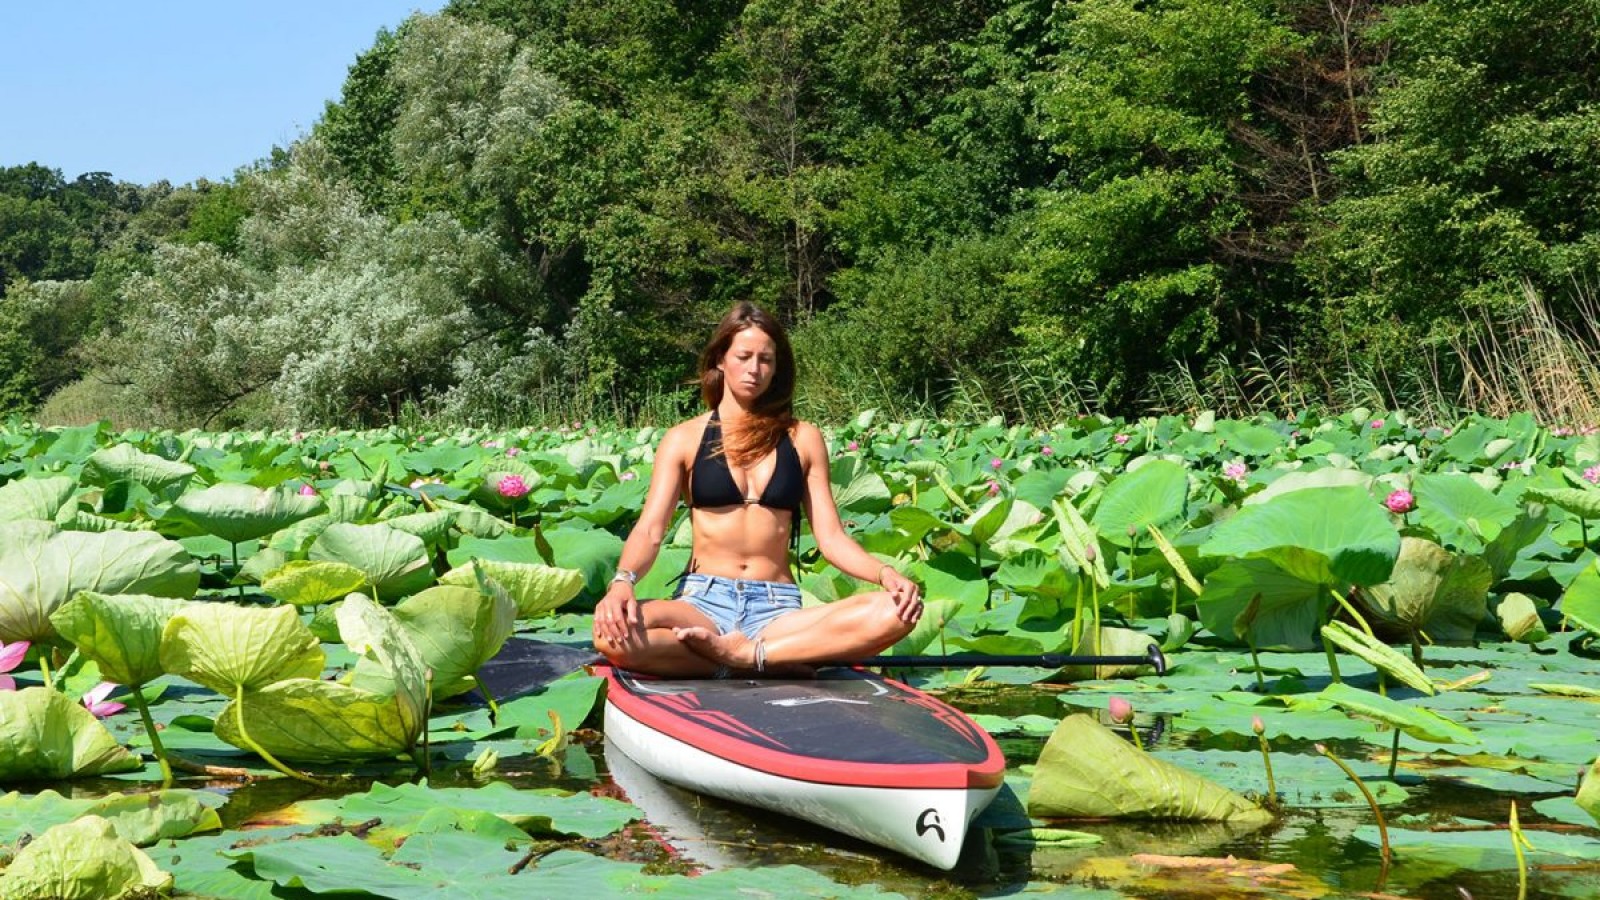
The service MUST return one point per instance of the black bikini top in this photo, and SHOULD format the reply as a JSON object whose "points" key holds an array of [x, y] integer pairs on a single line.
{"points": [[711, 483]]}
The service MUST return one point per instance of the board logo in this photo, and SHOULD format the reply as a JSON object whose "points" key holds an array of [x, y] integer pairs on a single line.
{"points": [[929, 821]]}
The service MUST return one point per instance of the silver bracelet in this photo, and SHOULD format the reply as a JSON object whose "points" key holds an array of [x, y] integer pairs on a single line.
{"points": [[628, 575]]}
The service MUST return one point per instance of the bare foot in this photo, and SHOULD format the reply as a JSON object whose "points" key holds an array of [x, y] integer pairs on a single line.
{"points": [[738, 652]]}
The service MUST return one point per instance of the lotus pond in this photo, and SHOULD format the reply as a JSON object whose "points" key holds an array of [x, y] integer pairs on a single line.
{"points": [[275, 664]]}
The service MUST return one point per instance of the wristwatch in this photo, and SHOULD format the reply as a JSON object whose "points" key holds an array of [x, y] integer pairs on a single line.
{"points": [[628, 575]]}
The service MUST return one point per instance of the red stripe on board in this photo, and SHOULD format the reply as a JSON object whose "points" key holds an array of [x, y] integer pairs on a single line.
{"points": [[680, 716]]}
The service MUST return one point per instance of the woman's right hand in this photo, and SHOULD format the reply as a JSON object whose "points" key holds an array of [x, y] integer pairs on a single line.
{"points": [[617, 614]]}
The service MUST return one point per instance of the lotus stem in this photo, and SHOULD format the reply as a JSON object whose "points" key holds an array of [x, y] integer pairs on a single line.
{"points": [[273, 761], [1518, 842], [1394, 753], [1383, 828], [155, 738], [494, 708], [1255, 661], [1260, 729], [44, 667]]}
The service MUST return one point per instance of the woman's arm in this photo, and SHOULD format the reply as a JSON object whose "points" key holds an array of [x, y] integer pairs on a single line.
{"points": [[618, 611], [837, 546]]}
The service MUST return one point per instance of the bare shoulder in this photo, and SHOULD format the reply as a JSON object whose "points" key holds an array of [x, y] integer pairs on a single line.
{"points": [[808, 440], [681, 438]]}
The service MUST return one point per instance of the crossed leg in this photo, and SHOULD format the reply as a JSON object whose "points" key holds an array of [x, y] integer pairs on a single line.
{"points": [[653, 645], [851, 628]]}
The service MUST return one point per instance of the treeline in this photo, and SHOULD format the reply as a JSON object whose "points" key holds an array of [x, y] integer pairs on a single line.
{"points": [[524, 211]]}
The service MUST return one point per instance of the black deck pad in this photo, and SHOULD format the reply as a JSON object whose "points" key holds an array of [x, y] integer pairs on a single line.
{"points": [[523, 666]]}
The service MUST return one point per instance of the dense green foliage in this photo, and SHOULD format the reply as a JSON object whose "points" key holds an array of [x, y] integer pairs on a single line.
{"points": [[535, 210]]}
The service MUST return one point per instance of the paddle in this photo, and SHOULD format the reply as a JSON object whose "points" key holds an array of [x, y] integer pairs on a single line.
{"points": [[524, 665]]}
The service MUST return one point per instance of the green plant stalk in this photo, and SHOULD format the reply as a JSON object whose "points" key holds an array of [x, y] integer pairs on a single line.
{"points": [[1077, 615], [494, 708], [1372, 802], [1255, 661], [273, 761], [1518, 842], [1137, 741], [1333, 662], [155, 738], [1394, 754], [44, 668], [1266, 760]]}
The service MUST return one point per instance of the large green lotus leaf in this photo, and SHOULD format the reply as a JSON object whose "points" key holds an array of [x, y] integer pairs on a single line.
{"points": [[455, 629], [1520, 620], [141, 819], [857, 488], [395, 562], [1486, 849], [1581, 502], [377, 635], [35, 499], [308, 720], [543, 811], [536, 589], [1341, 525], [303, 582], [1460, 511], [1034, 573], [82, 860], [432, 527], [1422, 724], [125, 462], [1087, 771], [1301, 480], [1303, 781], [951, 576], [1580, 603], [1255, 597], [238, 512], [120, 632], [1589, 791], [592, 552], [46, 735], [223, 646], [1153, 494], [1434, 591], [37, 576], [473, 520], [1379, 655]]}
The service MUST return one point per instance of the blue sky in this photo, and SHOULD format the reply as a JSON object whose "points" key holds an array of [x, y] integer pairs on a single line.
{"points": [[174, 89]]}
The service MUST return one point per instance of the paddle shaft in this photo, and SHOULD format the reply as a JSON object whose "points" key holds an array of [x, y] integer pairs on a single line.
{"points": [[1153, 657]]}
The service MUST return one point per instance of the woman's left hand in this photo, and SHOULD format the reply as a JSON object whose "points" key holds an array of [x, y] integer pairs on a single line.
{"points": [[904, 592]]}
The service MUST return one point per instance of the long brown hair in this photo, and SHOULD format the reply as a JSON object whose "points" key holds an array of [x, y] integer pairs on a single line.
{"points": [[773, 412]]}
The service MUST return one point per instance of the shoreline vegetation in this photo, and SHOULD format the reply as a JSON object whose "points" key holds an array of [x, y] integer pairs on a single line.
{"points": [[521, 214]]}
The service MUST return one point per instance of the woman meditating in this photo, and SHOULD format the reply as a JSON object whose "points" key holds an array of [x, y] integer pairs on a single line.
{"points": [[748, 470]]}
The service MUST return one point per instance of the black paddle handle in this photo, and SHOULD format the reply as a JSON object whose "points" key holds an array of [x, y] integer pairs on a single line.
{"points": [[1152, 657]]}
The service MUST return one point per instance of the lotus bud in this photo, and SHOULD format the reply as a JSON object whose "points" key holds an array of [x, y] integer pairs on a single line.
{"points": [[1258, 726], [1400, 502], [307, 490], [486, 763], [1047, 450], [512, 487], [322, 465], [996, 463], [1121, 710], [852, 446], [1089, 552]]}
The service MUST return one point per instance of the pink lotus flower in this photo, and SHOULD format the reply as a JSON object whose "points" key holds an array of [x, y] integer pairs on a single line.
{"points": [[512, 487], [628, 476], [97, 703], [10, 657], [307, 490], [1120, 439], [994, 488], [1047, 450], [322, 465], [1258, 726], [513, 451], [852, 446], [1235, 471], [1592, 474], [996, 463], [1400, 502], [1121, 710], [1377, 423]]}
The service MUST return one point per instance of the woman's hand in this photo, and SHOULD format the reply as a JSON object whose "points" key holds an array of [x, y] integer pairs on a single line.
{"points": [[904, 592], [617, 614]]}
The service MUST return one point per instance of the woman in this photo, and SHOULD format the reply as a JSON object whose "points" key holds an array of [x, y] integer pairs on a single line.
{"points": [[747, 469]]}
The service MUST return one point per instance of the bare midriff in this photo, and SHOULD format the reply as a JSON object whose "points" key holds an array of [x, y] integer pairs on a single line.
{"points": [[748, 542]]}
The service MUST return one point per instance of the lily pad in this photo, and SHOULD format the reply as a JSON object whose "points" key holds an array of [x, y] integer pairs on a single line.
{"points": [[141, 819], [120, 632], [82, 860], [45, 735], [396, 563], [305, 582], [536, 589], [239, 512]]}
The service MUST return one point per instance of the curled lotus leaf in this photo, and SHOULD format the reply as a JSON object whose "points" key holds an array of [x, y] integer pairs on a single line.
{"points": [[240, 512], [1520, 619], [536, 589], [125, 462], [1589, 791], [304, 582], [35, 499], [38, 575], [1422, 724], [376, 634], [1087, 771], [1382, 656], [224, 646], [82, 860], [309, 720], [46, 735], [120, 632], [454, 629], [1434, 591], [395, 562]]}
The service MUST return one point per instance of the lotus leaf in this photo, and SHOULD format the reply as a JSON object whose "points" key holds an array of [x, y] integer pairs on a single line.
{"points": [[1303, 782], [455, 630], [1423, 724], [1460, 511], [1581, 502], [857, 488], [1519, 618], [1086, 771], [82, 860], [591, 551], [121, 633], [395, 562], [224, 646], [141, 819], [1256, 598], [536, 589], [125, 462], [1580, 603], [487, 491], [539, 811], [1329, 536], [303, 582], [308, 720], [474, 520], [432, 527], [35, 499], [45, 735], [375, 633], [1589, 790], [1078, 537], [1153, 494], [1380, 655], [238, 512], [37, 576], [1434, 591]]}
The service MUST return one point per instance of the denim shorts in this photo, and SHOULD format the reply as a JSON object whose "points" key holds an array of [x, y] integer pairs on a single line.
{"points": [[737, 604]]}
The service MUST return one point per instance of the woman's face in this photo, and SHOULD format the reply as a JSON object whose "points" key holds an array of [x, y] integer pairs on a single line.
{"points": [[748, 366]]}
